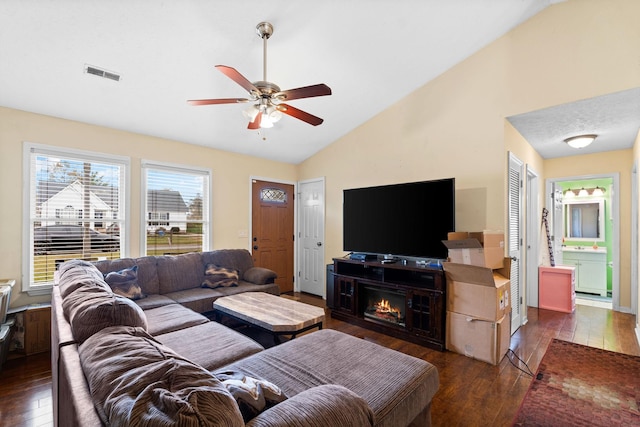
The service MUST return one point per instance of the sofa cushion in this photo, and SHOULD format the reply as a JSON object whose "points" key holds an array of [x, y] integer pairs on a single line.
{"points": [[210, 345], [147, 271], [172, 317], [90, 309], [136, 381], [125, 283], [201, 299], [76, 273], [259, 275], [153, 301], [253, 395], [324, 405], [217, 276], [178, 272], [396, 386]]}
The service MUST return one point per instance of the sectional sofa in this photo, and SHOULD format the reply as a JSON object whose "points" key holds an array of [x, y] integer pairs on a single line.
{"points": [[157, 360]]}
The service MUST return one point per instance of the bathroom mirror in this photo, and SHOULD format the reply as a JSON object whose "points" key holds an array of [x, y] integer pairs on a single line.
{"points": [[584, 220]]}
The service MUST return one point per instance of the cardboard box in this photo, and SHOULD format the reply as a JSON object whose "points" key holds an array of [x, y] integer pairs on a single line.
{"points": [[477, 338], [477, 291], [484, 249], [457, 235], [556, 288]]}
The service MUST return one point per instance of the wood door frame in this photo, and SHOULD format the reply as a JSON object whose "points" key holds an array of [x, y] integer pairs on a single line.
{"points": [[296, 285]]}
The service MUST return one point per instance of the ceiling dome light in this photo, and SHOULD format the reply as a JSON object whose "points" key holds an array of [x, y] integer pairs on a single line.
{"points": [[580, 141]]}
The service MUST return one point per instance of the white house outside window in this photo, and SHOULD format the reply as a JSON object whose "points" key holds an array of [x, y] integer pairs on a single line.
{"points": [[175, 202], [75, 202]]}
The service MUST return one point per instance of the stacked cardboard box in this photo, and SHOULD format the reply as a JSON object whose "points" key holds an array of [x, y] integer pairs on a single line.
{"points": [[483, 248], [478, 292]]}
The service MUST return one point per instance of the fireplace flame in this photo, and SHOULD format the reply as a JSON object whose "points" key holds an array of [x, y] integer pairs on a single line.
{"points": [[383, 306]]}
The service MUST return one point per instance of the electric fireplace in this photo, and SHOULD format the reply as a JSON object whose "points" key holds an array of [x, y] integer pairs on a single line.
{"points": [[384, 305]]}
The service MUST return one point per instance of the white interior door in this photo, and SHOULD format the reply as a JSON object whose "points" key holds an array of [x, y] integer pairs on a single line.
{"points": [[311, 237], [515, 239], [532, 259]]}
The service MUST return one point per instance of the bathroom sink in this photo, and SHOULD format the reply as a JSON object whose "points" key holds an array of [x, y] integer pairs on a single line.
{"points": [[584, 249]]}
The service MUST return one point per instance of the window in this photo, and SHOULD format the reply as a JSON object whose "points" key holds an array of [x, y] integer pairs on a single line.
{"points": [[75, 201], [175, 203]]}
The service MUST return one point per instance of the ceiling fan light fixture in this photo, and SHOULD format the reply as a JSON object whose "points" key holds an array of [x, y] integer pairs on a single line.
{"points": [[266, 122], [251, 112], [274, 114], [580, 141]]}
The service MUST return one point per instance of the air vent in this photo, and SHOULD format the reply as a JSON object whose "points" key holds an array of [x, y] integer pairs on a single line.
{"points": [[90, 69]]}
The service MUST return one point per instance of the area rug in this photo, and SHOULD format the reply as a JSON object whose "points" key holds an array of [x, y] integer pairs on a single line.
{"points": [[582, 386]]}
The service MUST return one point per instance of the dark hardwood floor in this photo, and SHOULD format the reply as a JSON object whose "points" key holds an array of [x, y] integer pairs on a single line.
{"points": [[471, 393]]}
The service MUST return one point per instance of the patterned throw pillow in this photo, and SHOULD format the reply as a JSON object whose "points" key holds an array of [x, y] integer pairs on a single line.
{"points": [[252, 395], [219, 276], [125, 283]]}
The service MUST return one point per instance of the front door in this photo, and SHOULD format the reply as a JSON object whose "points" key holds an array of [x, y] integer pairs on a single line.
{"points": [[272, 230]]}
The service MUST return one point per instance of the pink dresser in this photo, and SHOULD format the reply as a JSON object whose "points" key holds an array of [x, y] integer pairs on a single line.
{"points": [[556, 288]]}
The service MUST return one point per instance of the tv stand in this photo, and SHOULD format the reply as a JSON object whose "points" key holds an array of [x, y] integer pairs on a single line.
{"points": [[404, 300]]}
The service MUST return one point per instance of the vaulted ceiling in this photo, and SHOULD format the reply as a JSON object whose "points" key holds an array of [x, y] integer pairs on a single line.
{"points": [[371, 53]]}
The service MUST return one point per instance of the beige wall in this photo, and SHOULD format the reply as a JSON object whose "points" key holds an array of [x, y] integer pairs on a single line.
{"points": [[454, 126], [230, 176]]}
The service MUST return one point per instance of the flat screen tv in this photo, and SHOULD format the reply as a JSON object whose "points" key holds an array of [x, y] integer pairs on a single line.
{"points": [[409, 219]]}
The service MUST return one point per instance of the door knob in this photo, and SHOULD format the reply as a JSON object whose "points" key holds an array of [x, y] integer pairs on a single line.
{"points": [[319, 243], [255, 247]]}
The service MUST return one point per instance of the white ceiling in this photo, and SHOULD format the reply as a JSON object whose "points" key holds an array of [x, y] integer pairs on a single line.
{"points": [[615, 118], [371, 53]]}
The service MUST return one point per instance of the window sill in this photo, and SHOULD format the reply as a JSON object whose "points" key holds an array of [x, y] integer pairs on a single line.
{"points": [[39, 290]]}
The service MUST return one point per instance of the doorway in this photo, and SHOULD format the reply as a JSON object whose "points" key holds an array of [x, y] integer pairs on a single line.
{"points": [[601, 272], [272, 229]]}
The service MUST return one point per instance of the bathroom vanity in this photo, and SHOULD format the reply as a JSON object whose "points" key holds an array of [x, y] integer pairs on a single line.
{"points": [[591, 268]]}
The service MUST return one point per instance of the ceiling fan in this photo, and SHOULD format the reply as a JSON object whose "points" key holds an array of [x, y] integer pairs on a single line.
{"points": [[267, 99]]}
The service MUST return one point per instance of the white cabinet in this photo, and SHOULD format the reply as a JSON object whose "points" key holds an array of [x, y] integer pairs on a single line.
{"points": [[591, 269]]}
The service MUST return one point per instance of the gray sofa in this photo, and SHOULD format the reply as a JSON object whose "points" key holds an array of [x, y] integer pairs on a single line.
{"points": [[116, 361]]}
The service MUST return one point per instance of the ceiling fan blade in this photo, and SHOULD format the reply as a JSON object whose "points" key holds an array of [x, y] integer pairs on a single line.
{"points": [[217, 101], [303, 92], [299, 114], [235, 75], [255, 124]]}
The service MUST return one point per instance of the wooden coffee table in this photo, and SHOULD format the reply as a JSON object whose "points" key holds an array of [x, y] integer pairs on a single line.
{"points": [[275, 315]]}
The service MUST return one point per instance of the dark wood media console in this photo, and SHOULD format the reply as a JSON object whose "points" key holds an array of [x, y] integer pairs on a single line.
{"points": [[404, 300]]}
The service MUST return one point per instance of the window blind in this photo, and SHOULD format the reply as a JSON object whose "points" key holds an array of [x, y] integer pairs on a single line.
{"points": [[176, 201]]}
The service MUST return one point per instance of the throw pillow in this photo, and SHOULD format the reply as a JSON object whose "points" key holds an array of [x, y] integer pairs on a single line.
{"points": [[125, 283], [253, 395], [219, 276]]}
